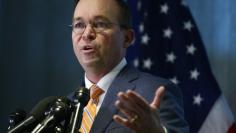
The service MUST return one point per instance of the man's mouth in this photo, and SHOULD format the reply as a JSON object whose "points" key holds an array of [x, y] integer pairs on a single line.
{"points": [[88, 49]]}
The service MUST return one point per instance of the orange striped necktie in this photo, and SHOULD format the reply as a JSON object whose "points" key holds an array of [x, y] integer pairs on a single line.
{"points": [[89, 113]]}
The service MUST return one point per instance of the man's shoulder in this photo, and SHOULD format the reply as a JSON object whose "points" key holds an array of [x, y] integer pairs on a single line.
{"points": [[151, 77], [146, 77]]}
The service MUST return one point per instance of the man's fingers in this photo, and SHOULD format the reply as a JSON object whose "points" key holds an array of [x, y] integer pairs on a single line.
{"points": [[158, 96], [120, 119], [123, 109], [139, 100], [123, 121]]}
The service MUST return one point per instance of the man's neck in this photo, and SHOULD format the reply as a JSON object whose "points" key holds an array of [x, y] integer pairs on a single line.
{"points": [[95, 75]]}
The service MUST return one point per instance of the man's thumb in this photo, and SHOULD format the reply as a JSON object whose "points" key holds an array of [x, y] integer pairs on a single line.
{"points": [[158, 96]]}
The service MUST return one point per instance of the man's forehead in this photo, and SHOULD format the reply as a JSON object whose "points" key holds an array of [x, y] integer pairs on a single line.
{"points": [[96, 9]]}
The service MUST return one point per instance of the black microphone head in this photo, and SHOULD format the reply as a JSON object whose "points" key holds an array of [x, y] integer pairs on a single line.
{"points": [[59, 110], [60, 107], [16, 117], [39, 110], [35, 116], [82, 95]]}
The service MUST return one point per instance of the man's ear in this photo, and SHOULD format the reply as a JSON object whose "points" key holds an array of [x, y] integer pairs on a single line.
{"points": [[129, 37]]}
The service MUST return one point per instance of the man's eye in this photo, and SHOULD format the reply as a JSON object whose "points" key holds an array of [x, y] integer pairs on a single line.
{"points": [[79, 25], [100, 24]]}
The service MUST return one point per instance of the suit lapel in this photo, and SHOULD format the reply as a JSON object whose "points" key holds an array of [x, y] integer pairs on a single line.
{"points": [[122, 82]]}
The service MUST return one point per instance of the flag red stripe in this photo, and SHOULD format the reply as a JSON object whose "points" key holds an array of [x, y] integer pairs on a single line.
{"points": [[232, 129]]}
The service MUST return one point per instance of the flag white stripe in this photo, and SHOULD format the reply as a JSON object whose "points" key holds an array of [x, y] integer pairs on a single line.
{"points": [[219, 119]]}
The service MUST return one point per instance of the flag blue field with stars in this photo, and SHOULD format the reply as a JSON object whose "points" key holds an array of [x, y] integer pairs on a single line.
{"points": [[168, 45]]}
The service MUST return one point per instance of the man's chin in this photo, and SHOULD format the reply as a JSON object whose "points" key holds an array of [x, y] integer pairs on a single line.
{"points": [[90, 63]]}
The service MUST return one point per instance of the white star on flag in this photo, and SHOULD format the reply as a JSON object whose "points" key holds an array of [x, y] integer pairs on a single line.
{"points": [[168, 33], [188, 25], [136, 62], [170, 57], [139, 5], [147, 63], [191, 49], [194, 74], [174, 80], [141, 28], [164, 8], [145, 39], [197, 99]]}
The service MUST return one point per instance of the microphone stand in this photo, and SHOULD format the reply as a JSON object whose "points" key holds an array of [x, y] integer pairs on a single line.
{"points": [[82, 97]]}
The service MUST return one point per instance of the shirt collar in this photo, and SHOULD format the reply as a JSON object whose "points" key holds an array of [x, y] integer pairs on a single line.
{"points": [[105, 82]]}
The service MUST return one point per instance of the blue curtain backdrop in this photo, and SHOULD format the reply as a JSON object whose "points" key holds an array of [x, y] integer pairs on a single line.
{"points": [[37, 58]]}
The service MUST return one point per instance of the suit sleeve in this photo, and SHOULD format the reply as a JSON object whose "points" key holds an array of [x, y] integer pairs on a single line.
{"points": [[171, 110]]}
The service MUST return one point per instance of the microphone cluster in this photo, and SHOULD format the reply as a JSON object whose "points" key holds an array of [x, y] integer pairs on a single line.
{"points": [[56, 114]]}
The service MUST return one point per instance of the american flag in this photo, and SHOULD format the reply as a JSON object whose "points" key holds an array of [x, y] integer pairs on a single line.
{"points": [[168, 45]]}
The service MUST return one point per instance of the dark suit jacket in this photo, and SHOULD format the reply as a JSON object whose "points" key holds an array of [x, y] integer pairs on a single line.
{"points": [[171, 109]]}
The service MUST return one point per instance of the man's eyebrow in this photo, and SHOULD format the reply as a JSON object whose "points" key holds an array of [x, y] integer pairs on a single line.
{"points": [[94, 18], [77, 19], [101, 18]]}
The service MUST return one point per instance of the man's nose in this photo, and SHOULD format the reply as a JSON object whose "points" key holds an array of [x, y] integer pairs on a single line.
{"points": [[89, 33]]}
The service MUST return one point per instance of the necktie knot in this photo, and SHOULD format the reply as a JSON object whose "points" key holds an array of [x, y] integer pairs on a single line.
{"points": [[95, 92]]}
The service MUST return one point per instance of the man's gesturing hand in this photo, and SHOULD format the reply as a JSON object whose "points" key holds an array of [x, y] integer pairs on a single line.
{"points": [[140, 116]]}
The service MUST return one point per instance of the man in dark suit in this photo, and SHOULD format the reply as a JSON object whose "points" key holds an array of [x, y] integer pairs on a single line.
{"points": [[129, 100]]}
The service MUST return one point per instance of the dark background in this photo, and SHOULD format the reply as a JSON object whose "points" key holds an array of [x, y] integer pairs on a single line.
{"points": [[36, 53], [37, 59]]}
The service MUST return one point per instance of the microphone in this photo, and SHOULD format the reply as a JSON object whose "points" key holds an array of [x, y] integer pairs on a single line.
{"points": [[58, 112], [82, 97], [15, 118], [36, 114]]}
